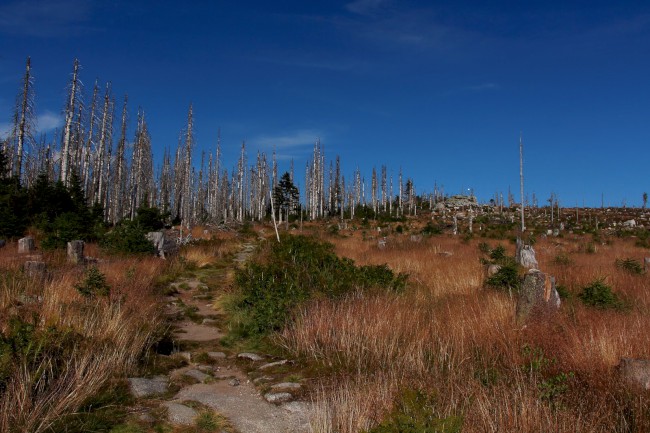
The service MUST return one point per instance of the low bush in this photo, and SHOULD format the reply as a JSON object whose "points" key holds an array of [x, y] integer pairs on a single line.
{"points": [[506, 278], [414, 412], [94, 283], [127, 237], [431, 230], [630, 265], [299, 269], [600, 295]]}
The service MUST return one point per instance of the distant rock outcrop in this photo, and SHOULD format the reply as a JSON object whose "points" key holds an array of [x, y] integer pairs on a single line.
{"points": [[461, 201]]}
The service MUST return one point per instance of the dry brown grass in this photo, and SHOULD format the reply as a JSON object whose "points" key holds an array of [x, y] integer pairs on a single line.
{"points": [[108, 335], [461, 342]]}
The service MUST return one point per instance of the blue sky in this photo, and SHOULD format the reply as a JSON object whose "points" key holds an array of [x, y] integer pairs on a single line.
{"points": [[441, 89]]}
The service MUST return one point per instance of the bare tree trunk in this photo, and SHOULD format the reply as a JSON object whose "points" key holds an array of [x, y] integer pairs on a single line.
{"points": [[66, 145], [25, 118]]}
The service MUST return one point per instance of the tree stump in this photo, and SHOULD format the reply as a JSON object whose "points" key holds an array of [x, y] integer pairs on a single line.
{"points": [[538, 296], [26, 245], [76, 252]]}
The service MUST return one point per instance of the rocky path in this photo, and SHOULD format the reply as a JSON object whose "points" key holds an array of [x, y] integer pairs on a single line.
{"points": [[263, 400]]}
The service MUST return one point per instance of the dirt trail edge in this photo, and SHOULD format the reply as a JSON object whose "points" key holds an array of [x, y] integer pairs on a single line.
{"points": [[218, 382]]}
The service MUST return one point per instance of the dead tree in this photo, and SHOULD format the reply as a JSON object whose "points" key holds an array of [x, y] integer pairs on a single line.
{"points": [[24, 123], [67, 143]]}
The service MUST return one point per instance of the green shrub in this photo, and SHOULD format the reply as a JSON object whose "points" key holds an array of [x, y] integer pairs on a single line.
{"points": [[630, 265], [93, 284], [431, 230], [498, 254], [600, 295], [506, 278], [127, 237], [414, 412], [562, 259], [299, 269], [484, 247]]}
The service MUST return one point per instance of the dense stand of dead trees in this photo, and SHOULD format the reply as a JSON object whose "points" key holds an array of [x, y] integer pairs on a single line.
{"points": [[119, 174]]}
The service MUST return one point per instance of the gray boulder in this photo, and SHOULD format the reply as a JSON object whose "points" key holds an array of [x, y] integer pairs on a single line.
{"points": [[493, 269], [26, 245], [143, 387], [278, 397], [179, 414], [538, 296], [164, 246], [250, 356]]}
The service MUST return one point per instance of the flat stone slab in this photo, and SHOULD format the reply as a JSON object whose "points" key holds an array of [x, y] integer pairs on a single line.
{"points": [[179, 414], [217, 355], [286, 385], [273, 364], [278, 397], [245, 409], [196, 374], [143, 387], [190, 331], [250, 356]]}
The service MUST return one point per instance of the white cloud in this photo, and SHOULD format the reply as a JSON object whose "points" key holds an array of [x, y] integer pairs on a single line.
{"points": [[48, 121], [298, 138]]}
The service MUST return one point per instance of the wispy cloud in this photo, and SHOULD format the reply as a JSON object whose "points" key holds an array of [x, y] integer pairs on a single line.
{"points": [[289, 140], [44, 18], [48, 121]]}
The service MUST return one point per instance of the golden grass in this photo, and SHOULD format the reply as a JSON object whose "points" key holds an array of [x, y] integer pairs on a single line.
{"points": [[462, 343], [109, 334]]}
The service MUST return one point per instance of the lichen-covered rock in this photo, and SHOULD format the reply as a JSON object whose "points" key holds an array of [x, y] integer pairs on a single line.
{"points": [[143, 387], [538, 296], [179, 414]]}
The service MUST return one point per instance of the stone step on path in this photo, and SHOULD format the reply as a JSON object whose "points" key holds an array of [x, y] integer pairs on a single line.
{"points": [[246, 410], [225, 388]]}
